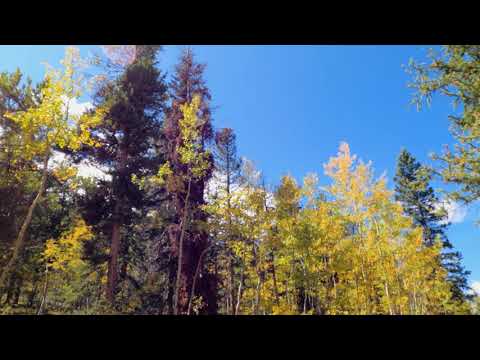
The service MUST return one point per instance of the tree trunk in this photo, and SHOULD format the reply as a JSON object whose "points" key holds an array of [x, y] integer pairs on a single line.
{"points": [[171, 286], [197, 271], [180, 250], [257, 296], [20, 241], [240, 293], [207, 289], [240, 288], [124, 268], [8, 291], [113, 263], [14, 292], [231, 292], [115, 245], [32, 295], [44, 295], [275, 286]]}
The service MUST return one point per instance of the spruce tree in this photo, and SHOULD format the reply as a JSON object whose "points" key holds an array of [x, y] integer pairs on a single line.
{"points": [[413, 190], [129, 135], [228, 173]]}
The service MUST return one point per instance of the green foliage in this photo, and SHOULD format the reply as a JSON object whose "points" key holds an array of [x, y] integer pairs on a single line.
{"points": [[419, 202], [161, 240], [455, 73], [71, 280]]}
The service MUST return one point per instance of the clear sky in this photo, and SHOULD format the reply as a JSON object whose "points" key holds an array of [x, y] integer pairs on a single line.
{"points": [[291, 106]]}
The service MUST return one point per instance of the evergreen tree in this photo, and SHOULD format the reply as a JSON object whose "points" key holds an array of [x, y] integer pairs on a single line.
{"points": [[454, 72], [178, 224], [227, 174], [135, 101], [418, 198], [420, 202], [227, 163]]}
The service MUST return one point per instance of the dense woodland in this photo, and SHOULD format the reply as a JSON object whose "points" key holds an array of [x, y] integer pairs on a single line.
{"points": [[177, 222]]}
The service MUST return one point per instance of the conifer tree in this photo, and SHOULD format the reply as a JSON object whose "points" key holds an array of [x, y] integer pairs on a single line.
{"points": [[420, 202], [227, 175], [454, 72], [135, 101], [418, 199]]}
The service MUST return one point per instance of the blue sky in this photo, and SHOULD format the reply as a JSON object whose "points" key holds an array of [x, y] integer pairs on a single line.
{"points": [[291, 106]]}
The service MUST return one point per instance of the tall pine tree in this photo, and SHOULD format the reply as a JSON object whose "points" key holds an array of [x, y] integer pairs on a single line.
{"points": [[228, 173], [420, 202], [136, 101]]}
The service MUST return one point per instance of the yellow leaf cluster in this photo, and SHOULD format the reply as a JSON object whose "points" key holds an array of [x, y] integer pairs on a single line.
{"points": [[51, 123], [66, 252]]}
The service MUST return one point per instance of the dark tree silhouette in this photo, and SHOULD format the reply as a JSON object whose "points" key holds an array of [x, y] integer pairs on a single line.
{"points": [[136, 101]]}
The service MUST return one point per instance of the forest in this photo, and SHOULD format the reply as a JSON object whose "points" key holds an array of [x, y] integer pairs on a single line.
{"points": [[176, 222]]}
